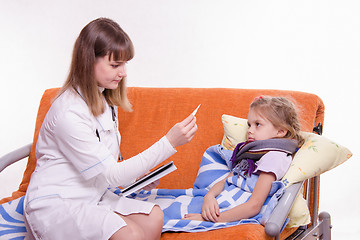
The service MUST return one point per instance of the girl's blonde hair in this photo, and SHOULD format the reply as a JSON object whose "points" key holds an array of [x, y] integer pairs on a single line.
{"points": [[281, 112], [99, 38]]}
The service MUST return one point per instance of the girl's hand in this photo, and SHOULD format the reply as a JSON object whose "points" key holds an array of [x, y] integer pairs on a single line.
{"points": [[194, 216], [210, 208], [182, 132]]}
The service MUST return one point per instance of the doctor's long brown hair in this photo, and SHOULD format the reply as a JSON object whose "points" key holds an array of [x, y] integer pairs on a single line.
{"points": [[99, 38]]}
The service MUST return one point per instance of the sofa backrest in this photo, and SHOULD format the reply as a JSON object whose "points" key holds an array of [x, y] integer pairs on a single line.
{"points": [[156, 110]]}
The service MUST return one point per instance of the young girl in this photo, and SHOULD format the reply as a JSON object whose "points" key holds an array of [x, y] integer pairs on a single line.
{"points": [[78, 148], [274, 126]]}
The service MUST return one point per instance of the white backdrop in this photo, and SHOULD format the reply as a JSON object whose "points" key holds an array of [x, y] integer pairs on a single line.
{"points": [[310, 45]]}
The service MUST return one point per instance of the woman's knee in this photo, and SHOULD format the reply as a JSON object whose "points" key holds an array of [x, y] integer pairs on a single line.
{"points": [[157, 216], [129, 232], [135, 234]]}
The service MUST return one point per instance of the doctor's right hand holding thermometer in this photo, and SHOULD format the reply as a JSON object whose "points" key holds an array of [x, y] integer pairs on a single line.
{"points": [[184, 131]]}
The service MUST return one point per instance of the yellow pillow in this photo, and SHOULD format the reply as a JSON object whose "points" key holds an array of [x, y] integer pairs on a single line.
{"points": [[317, 155], [235, 131], [299, 214]]}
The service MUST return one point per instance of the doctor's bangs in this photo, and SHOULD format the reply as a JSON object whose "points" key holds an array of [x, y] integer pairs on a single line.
{"points": [[121, 52], [113, 41]]}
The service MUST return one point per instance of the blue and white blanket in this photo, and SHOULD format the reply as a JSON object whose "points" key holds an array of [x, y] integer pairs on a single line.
{"points": [[12, 226], [176, 202], [214, 167]]}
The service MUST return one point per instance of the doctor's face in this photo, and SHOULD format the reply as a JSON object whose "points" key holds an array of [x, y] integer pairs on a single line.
{"points": [[108, 72]]}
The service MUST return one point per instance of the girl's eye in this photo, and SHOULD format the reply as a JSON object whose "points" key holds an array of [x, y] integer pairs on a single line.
{"points": [[258, 124], [115, 65]]}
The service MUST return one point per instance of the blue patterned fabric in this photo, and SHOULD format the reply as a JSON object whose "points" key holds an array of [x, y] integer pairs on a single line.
{"points": [[214, 167], [176, 202], [12, 226]]}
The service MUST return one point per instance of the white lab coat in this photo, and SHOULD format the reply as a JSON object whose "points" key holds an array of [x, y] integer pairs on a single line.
{"points": [[67, 197]]}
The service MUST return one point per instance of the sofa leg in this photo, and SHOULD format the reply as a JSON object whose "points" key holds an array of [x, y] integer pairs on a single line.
{"points": [[325, 218], [321, 230]]}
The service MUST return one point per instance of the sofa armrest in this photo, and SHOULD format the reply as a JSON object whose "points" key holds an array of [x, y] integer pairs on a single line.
{"points": [[14, 156], [282, 209]]}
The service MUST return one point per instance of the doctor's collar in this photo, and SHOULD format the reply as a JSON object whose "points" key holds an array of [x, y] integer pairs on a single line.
{"points": [[101, 89]]}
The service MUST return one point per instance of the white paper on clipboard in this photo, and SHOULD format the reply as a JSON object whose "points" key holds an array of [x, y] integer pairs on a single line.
{"points": [[149, 178]]}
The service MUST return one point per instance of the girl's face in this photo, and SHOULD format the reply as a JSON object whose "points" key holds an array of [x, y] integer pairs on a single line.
{"points": [[262, 129], [108, 72]]}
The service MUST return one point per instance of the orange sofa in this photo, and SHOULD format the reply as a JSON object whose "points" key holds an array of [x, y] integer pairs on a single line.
{"points": [[156, 110]]}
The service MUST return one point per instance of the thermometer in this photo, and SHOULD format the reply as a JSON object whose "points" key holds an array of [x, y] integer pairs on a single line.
{"points": [[195, 111]]}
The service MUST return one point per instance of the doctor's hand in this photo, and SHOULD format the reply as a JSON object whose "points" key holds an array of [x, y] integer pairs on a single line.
{"points": [[150, 185], [182, 132]]}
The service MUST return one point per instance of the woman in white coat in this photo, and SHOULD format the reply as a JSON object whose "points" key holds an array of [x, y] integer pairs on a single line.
{"points": [[78, 148]]}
